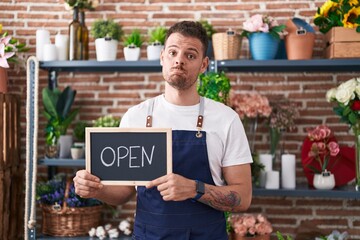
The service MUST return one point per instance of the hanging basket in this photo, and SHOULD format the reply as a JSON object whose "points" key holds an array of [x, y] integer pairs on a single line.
{"points": [[63, 221], [226, 45]]}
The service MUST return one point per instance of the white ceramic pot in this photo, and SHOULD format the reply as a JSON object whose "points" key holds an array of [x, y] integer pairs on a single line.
{"points": [[131, 54], [325, 180], [65, 143], [153, 51], [106, 49], [77, 153]]}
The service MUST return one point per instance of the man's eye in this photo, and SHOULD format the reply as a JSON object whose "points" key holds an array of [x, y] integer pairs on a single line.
{"points": [[172, 53], [191, 56]]}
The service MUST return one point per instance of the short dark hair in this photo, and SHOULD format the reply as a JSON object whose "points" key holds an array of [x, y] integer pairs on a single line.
{"points": [[190, 29]]}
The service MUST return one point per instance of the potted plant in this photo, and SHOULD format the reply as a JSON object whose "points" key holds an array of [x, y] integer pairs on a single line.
{"points": [[132, 43], [107, 121], [57, 110], [156, 42], [107, 34], [78, 148], [209, 32], [215, 86], [263, 32]]}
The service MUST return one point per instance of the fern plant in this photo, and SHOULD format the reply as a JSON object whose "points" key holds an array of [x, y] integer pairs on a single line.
{"points": [[106, 29], [134, 39], [157, 35]]}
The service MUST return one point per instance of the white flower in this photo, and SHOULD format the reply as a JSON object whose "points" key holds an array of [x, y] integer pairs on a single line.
{"points": [[107, 227], [127, 232], [124, 225], [100, 232], [113, 233], [349, 84], [330, 94], [92, 232], [344, 95]]}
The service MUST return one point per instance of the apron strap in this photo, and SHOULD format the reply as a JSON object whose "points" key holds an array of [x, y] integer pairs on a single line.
{"points": [[200, 118]]}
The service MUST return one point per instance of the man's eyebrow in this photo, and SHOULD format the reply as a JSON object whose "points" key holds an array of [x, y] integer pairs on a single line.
{"points": [[191, 49]]}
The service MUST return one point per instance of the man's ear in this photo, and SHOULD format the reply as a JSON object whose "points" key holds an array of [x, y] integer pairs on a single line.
{"points": [[161, 57], [205, 64]]}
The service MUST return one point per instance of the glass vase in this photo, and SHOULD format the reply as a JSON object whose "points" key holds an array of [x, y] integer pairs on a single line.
{"points": [[356, 130], [250, 126]]}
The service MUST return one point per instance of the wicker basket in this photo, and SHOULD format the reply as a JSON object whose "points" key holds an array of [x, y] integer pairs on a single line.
{"points": [[68, 221], [226, 45]]}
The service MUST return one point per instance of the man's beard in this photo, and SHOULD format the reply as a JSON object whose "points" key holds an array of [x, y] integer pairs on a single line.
{"points": [[180, 82]]}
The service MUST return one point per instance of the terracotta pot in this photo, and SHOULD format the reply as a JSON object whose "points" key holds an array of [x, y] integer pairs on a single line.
{"points": [[234, 236], [3, 80]]}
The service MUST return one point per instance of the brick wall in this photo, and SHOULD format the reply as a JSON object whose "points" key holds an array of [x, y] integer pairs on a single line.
{"points": [[105, 93]]}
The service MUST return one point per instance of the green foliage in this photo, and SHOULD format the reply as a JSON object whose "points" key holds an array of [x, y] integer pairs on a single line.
{"points": [[134, 39], [157, 35], [256, 168], [79, 131], [107, 121], [215, 86], [106, 28], [281, 237], [229, 229], [81, 4], [57, 106], [208, 27]]}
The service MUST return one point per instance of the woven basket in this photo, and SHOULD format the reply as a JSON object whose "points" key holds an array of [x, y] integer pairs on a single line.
{"points": [[227, 45], [67, 221]]}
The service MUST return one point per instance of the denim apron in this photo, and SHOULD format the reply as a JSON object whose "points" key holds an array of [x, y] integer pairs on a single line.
{"points": [[180, 220]]}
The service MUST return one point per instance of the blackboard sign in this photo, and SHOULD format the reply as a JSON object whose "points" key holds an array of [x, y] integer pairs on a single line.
{"points": [[128, 156]]}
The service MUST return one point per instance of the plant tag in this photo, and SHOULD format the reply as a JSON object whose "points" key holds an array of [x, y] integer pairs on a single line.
{"points": [[301, 31], [230, 33]]}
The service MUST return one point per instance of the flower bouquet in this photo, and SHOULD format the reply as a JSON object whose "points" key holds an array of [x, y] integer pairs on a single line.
{"points": [[347, 99], [60, 204], [262, 23], [250, 225], [335, 13]]}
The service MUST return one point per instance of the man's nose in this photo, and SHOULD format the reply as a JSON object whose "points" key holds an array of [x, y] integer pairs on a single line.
{"points": [[179, 60]]}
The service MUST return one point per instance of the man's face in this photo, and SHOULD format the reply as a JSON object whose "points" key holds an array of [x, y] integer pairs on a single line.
{"points": [[182, 61]]}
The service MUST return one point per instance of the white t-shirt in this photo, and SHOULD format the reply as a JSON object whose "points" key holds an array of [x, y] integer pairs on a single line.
{"points": [[226, 141]]}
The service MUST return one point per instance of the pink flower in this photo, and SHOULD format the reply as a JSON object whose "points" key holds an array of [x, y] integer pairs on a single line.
{"points": [[250, 105], [5, 55], [254, 23], [250, 225], [334, 148]]}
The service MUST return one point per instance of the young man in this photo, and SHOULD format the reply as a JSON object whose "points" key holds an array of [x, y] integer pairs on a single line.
{"points": [[211, 157]]}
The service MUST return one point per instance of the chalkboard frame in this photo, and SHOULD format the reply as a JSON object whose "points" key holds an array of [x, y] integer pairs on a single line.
{"points": [[112, 130]]}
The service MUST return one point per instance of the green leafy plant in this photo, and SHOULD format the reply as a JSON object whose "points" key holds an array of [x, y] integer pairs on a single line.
{"points": [[281, 237], [215, 86], [57, 106], [106, 121], [134, 39], [79, 131], [81, 4], [157, 35], [106, 29], [256, 168], [336, 13], [208, 27]]}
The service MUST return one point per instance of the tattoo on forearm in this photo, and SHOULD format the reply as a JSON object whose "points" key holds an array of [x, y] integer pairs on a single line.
{"points": [[221, 201]]}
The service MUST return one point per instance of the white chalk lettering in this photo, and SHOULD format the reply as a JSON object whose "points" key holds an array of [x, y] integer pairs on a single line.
{"points": [[102, 159], [132, 154]]}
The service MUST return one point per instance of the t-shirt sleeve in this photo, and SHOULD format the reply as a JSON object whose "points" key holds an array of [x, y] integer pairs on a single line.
{"points": [[237, 149], [124, 123]]}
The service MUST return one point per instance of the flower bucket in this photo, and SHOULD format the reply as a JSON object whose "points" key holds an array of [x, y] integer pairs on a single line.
{"points": [[263, 46], [3, 80], [226, 45]]}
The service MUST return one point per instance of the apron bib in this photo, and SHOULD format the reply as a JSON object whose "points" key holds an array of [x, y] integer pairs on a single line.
{"points": [[180, 220]]}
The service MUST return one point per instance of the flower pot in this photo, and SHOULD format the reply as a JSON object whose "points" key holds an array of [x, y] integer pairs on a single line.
{"points": [[153, 51], [77, 153], [106, 49], [325, 180], [3, 80], [131, 54], [65, 143], [263, 46], [226, 45]]}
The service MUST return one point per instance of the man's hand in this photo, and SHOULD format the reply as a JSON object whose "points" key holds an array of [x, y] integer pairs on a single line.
{"points": [[174, 187], [86, 184]]}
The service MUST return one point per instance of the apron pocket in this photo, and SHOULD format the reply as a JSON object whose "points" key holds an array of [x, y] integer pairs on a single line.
{"points": [[160, 233]]}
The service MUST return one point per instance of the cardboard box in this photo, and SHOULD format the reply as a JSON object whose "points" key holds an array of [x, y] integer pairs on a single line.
{"points": [[342, 43]]}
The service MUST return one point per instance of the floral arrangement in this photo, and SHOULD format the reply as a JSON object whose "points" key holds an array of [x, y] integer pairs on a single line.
{"points": [[250, 105], [335, 13], [262, 23], [249, 225], [283, 115], [9, 47], [323, 146], [347, 97], [81, 4], [125, 226], [107, 121], [52, 192]]}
